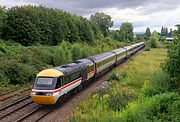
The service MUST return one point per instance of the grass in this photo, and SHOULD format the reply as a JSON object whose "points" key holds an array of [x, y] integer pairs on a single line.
{"points": [[142, 66], [124, 92]]}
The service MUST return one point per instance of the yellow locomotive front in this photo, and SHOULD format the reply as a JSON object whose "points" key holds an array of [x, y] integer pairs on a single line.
{"points": [[45, 90]]}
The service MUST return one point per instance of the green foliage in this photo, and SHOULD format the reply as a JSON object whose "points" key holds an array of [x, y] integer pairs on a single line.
{"points": [[126, 32], [76, 52], [164, 31], [154, 40], [16, 73], [103, 21], [62, 55], [22, 63], [38, 57], [29, 25], [148, 33], [115, 35], [100, 102], [129, 100], [85, 50], [163, 39], [119, 100], [140, 37], [163, 107], [119, 77], [2, 18], [147, 48], [85, 31], [159, 83], [172, 65]]}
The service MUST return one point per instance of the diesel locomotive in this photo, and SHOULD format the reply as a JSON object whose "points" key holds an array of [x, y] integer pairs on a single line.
{"points": [[51, 84]]}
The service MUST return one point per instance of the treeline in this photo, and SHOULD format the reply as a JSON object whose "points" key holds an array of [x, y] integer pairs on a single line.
{"points": [[29, 25]]}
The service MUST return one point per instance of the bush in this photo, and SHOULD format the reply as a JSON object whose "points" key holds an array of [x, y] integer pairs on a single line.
{"points": [[154, 39], [76, 52], [147, 48], [62, 55], [119, 101], [36, 57], [85, 51], [172, 64], [159, 83], [17, 73], [118, 77], [163, 107]]}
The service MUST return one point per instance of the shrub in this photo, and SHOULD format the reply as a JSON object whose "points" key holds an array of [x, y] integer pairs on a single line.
{"points": [[85, 51], [35, 57], [120, 100], [100, 102], [147, 48], [62, 55], [172, 64], [163, 107], [154, 39], [118, 77], [76, 52], [17, 73], [159, 83]]}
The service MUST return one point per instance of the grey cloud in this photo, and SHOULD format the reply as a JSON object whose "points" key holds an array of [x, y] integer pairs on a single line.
{"points": [[84, 7]]}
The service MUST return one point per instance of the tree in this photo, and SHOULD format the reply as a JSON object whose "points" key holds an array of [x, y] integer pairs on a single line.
{"points": [[164, 31], [115, 35], [170, 34], [172, 65], [2, 18], [154, 39], [148, 33], [30, 25], [140, 37], [126, 31], [62, 55], [103, 21]]}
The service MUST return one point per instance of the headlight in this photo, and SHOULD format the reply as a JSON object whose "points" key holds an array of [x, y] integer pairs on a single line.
{"points": [[33, 93], [49, 94]]}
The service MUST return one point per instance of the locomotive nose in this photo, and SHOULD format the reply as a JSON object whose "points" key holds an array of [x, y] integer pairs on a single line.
{"points": [[44, 100]]}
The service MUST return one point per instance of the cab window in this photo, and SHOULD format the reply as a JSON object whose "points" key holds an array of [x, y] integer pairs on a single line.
{"points": [[44, 81]]}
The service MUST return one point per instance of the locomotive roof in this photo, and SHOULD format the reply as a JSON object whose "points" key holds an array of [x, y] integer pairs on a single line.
{"points": [[71, 67], [85, 61], [101, 56]]}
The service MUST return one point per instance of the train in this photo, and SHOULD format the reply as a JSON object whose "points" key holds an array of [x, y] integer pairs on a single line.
{"points": [[51, 84]]}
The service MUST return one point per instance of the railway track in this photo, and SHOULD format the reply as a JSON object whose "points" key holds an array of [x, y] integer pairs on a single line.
{"points": [[14, 106], [12, 93], [2, 94], [41, 111]]}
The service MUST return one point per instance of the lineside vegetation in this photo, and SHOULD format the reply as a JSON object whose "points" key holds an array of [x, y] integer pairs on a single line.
{"points": [[20, 64], [140, 91]]}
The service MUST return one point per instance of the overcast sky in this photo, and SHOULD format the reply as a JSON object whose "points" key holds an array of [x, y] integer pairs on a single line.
{"points": [[142, 13]]}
